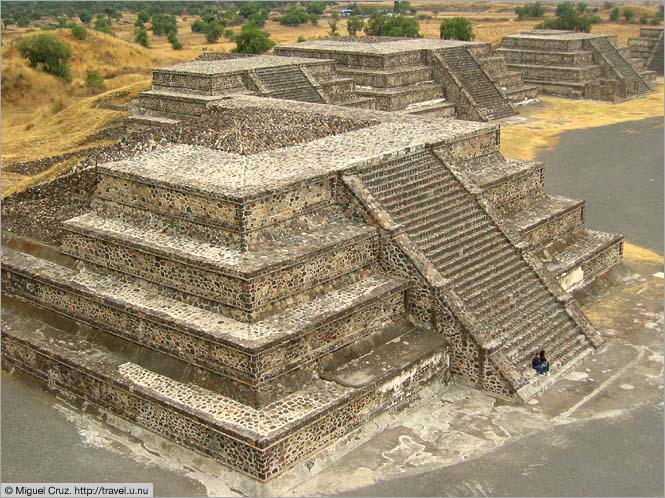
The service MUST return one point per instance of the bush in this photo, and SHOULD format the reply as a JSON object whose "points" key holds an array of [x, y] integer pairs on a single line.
{"points": [[644, 19], [572, 20], [85, 16], [49, 52], [163, 25], [628, 15], [354, 25], [212, 32], [530, 10], [103, 25], [294, 16], [614, 14], [258, 19], [198, 26], [581, 7], [143, 16], [317, 8], [141, 38], [23, 22], [229, 34], [564, 9], [595, 19], [94, 81], [301, 39], [456, 28], [333, 32], [79, 32], [252, 40], [401, 26]]}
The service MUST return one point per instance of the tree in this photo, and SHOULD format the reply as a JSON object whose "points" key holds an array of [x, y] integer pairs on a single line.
{"points": [[258, 19], [375, 24], [317, 8], [628, 15], [401, 26], [532, 10], [85, 16], [294, 16], [644, 19], [571, 20], [614, 14], [213, 32], [101, 24], [252, 40], [142, 37], [143, 16], [163, 24], [563, 9], [354, 25], [332, 32], [456, 28], [49, 52], [79, 32], [581, 7]]}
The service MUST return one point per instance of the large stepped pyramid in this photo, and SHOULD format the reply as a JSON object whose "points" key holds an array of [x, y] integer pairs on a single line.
{"points": [[648, 49], [256, 308], [574, 65], [439, 78]]}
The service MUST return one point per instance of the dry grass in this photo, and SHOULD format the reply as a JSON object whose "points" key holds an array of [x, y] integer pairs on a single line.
{"points": [[543, 126]]}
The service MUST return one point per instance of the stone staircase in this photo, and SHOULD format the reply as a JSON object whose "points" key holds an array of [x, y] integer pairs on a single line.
{"points": [[485, 95], [623, 68], [275, 306], [648, 49], [493, 281], [287, 82], [509, 81], [552, 225]]}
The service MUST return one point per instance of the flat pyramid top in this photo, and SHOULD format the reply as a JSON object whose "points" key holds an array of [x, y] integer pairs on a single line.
{"points": [[225, 66], [554, 34], [381, 47], [204, 170]]}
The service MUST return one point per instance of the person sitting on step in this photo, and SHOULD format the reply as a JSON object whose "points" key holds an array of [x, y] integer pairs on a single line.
{"points": [[540, 363]]}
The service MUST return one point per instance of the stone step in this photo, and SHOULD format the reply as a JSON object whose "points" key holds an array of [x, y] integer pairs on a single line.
{"points": [[152, 120], [494, 259], [519, 344], [259, 442], [247, 282], [536, 73], [556, 341], [472, 234], [479, 254], [252, 355], [521, 93], [550, 218], [578, 260], [409, 348], [534, 310], [529, 290], [502, 271], [449, 205], [387, 78], [538, 383], [444, 225], [411, 192], [398, 98], [176, 102], [437, 107]]}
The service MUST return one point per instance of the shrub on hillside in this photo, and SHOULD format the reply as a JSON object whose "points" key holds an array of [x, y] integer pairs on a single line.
{"points": [[143, 16], [614, 14], [94, 81], [49, 52], [103, 25], [354, 25], [163, 25], [252, 40], [85, 16], [380, 25], [530, 10], [628, 15], [572, 21], [141, 37], [79, 32], [213, 31], [456, 28], [644, 19], [294, 16]]}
